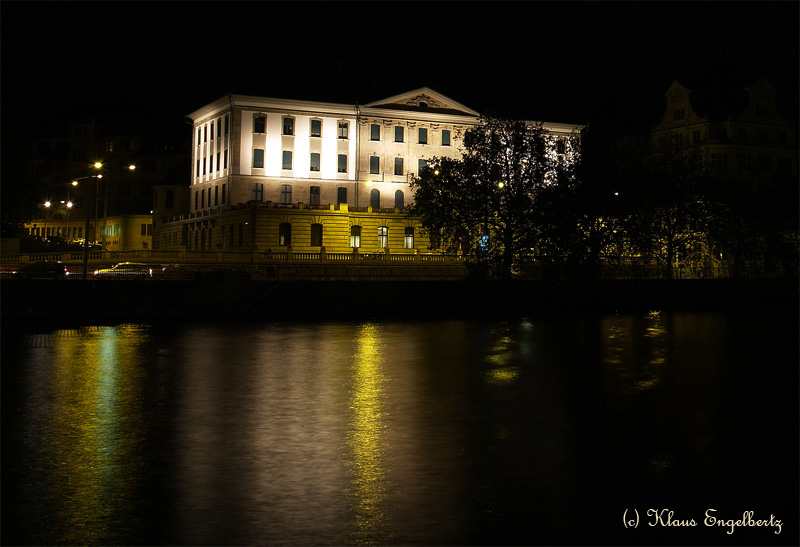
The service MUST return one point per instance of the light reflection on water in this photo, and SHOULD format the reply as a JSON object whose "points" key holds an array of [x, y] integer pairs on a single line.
{"points": [[387, 433]]}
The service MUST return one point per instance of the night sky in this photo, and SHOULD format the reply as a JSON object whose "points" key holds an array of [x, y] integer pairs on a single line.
{"points": [[573, 62]]}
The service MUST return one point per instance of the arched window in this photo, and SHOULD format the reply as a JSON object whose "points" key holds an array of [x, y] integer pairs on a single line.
{"points": [[355, 236], [383, 237], [399, 199], [375, 199]]}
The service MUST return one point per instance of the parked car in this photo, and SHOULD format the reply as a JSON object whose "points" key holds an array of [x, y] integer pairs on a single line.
{"points": [[127, 270], [41, 270]]}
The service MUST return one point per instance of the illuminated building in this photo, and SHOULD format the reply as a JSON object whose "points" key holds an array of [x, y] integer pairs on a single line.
{"points": [[740, 128], [272, 173]]}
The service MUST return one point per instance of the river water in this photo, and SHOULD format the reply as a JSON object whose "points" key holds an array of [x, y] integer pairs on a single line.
{"points": [[560, 430]]}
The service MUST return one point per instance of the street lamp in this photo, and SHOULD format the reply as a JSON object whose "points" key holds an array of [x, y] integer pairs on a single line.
{"points": [[97, 165]]}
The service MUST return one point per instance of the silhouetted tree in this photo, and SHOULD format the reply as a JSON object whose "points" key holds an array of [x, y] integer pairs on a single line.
{"points": [[488, 201]]}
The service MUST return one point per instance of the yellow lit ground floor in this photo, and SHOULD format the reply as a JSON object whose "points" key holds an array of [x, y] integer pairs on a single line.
{"points": [[299, 228]]}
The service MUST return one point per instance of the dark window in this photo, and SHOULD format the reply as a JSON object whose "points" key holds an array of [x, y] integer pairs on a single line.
{"points": [[286, 194], [316, 128], [314, 161], [287, 159], [316, 235], [288, 126], [258, 158], [398, 134], [259, 123], [374, 132], [341, 195], [445, 137], [399, 199], [258, 191], [313, 197], [342, 163], [398, 166], [375, 199], [423, 135], [223, 194], [421, 164], [374, 165], [169, 202]]}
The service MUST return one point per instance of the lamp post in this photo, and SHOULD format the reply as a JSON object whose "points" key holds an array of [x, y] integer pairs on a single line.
{"points": [[97, 165], [46, 209]]}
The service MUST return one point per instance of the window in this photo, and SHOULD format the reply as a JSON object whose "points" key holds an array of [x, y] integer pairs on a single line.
{"points": [[225, 164], [696, 137], [374, 165], [422, 135], [408, 240], [286, 194], [204, 166], [258, 158], [343, 130], [743, 135], [205, 133], [258, 191], [216, 196], [383, 237], [719, 161], [764, 163], [284, 233], [212, 130], [259, 123], [169, 201], [315, 161], [445, 137], [287, 159], [421, 164], [197, 169], [745, 161], [398, 166], [678, 114], [241, 234], [398, 134], [316, 128], [219, 129], [355, 236], [342, 163], [195, 199], [313, 196], [374, 132], [288, 126], [399, 199], [762, 110], [341, 195], [316, 235], [375, 199], [109, 146], [223, 194], [226, 124]]}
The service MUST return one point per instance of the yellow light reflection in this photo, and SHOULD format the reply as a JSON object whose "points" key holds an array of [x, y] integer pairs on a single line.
{"points": [[502, 372], [368, 472], [95, 413]]}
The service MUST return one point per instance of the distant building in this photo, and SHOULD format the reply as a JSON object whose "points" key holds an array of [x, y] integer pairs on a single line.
{"points": [[120, 198], [278, 173], [739, 128]]}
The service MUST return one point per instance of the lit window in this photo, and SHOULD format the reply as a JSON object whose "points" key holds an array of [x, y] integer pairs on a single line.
{"points": [[383, 237], [355, 236], [342, 163], [374, 132], [284, 233], [408, 240], [287, 159], [398, 166], [259, 123], [445, 137], [316, 235], [315, 161], [258, 158], [288, 126], [316, 128], [343, 130], [398, 134], [374, 165], [423, 135], [286, 194]]}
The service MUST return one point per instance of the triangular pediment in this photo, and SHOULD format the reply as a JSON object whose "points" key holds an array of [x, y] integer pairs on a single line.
{"points": [[423, 99]]}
